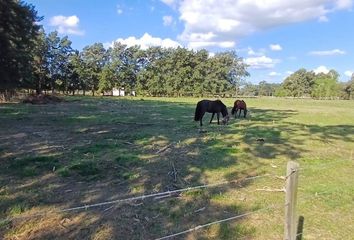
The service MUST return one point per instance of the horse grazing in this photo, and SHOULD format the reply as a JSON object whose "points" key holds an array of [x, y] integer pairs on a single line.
{"points": [[211, 107], [238, 106]]}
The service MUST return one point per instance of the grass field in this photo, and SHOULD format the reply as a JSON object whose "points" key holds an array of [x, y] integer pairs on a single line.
{"points": [[90, 150]]}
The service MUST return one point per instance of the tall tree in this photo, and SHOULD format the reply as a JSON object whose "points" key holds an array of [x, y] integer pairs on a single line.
{"points": [[76, 74], [349, 88], [58, 60], [18, 29], [40, 62], [299, 83], [237, 70], [94, 58], [326, 85]]}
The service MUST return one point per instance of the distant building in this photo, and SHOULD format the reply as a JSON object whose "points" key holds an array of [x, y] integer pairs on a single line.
{"points": [[118, 92]]}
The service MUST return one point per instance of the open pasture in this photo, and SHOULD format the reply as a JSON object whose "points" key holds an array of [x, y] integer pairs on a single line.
{"points": [[90, 150]]}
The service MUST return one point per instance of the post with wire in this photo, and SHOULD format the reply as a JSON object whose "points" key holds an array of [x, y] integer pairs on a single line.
{"points": [[292, 174]]}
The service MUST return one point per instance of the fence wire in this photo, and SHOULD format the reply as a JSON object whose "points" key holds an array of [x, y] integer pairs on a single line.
{"points": [[142, 197], [215, 222]]}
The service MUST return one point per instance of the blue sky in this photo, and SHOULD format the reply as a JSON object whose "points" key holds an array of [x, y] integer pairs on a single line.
{"points": [[275, 37]]}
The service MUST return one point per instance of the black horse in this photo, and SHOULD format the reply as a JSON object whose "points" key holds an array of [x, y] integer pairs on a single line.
{"points": [[211, 107]]}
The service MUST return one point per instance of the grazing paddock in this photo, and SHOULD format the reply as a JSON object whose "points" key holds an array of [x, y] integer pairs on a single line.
{"points": [[89, 150]]}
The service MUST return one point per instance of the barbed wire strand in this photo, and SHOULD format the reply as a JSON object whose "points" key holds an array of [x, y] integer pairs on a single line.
{"points": [[212, 223], [142, 197]]}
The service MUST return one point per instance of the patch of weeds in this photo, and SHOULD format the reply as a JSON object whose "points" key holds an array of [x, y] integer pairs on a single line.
{"points": [[32, 166], [29, 171], [85, 168], [195, 193], [64, 172], [228, 231], [176, 215], [4, 223], [137, 189], [129, 175], [127, 162], [95, 148], [17, 209]]}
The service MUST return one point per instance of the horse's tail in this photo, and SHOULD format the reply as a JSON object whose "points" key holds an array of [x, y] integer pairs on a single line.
{"points": [[198, 112]]}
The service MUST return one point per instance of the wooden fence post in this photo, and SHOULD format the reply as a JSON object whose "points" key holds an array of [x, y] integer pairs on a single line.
{"points": [[290, 200]]}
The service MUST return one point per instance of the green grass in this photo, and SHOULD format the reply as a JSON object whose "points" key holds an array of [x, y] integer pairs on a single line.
{"points": [[32, 166], [98, 149]]}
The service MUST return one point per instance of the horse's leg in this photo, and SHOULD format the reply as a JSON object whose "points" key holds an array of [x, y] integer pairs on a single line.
{"points": [[239, 113], [244, 113], [218, 116], [212, 116], [201, 119]]}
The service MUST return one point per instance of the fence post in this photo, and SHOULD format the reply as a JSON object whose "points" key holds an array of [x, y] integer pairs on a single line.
{"points": [[290, 200]]}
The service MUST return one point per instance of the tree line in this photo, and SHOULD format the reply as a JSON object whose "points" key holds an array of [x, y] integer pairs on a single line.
{"points": [[304, 83], [41, 62], [32, 59]]}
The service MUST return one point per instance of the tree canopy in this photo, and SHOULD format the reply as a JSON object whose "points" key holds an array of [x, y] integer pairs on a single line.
{"points": [[32, 59], [18, 32]]}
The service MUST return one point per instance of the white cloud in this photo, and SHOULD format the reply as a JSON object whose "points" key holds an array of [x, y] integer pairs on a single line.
{"points": [[273, 74], [328, 52], [211, 54], [147, 41], [348, 73], [252, 52], [167, 20], [321, 69], [262, 62], [289, 72], [205, 44], [66, 25], [119, 10], [323, 19], [171, 3], [229, 20], [344, 4], [275, 47]]}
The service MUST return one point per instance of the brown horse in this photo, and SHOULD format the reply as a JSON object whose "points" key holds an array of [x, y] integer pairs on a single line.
{"points": [[213, 107], [238, 106]]}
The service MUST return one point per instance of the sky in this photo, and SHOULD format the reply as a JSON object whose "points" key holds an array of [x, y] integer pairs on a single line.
{"points": [[274, 37]]}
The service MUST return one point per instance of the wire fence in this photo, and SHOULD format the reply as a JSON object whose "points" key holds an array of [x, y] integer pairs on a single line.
{"points": [[215, 222], [177, 191], [130, 199]]}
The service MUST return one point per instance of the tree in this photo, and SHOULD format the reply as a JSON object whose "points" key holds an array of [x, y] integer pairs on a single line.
{"points": [[40, 62], [237, 71], [349, 88], [264, 89], [94, 59], [178, 72], [18, 29], [326, 85], [108, 79], [59, 50], [299, 83]]}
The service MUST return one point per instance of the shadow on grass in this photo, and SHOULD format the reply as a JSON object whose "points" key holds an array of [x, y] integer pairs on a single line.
{"points": [[97, 150]]}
